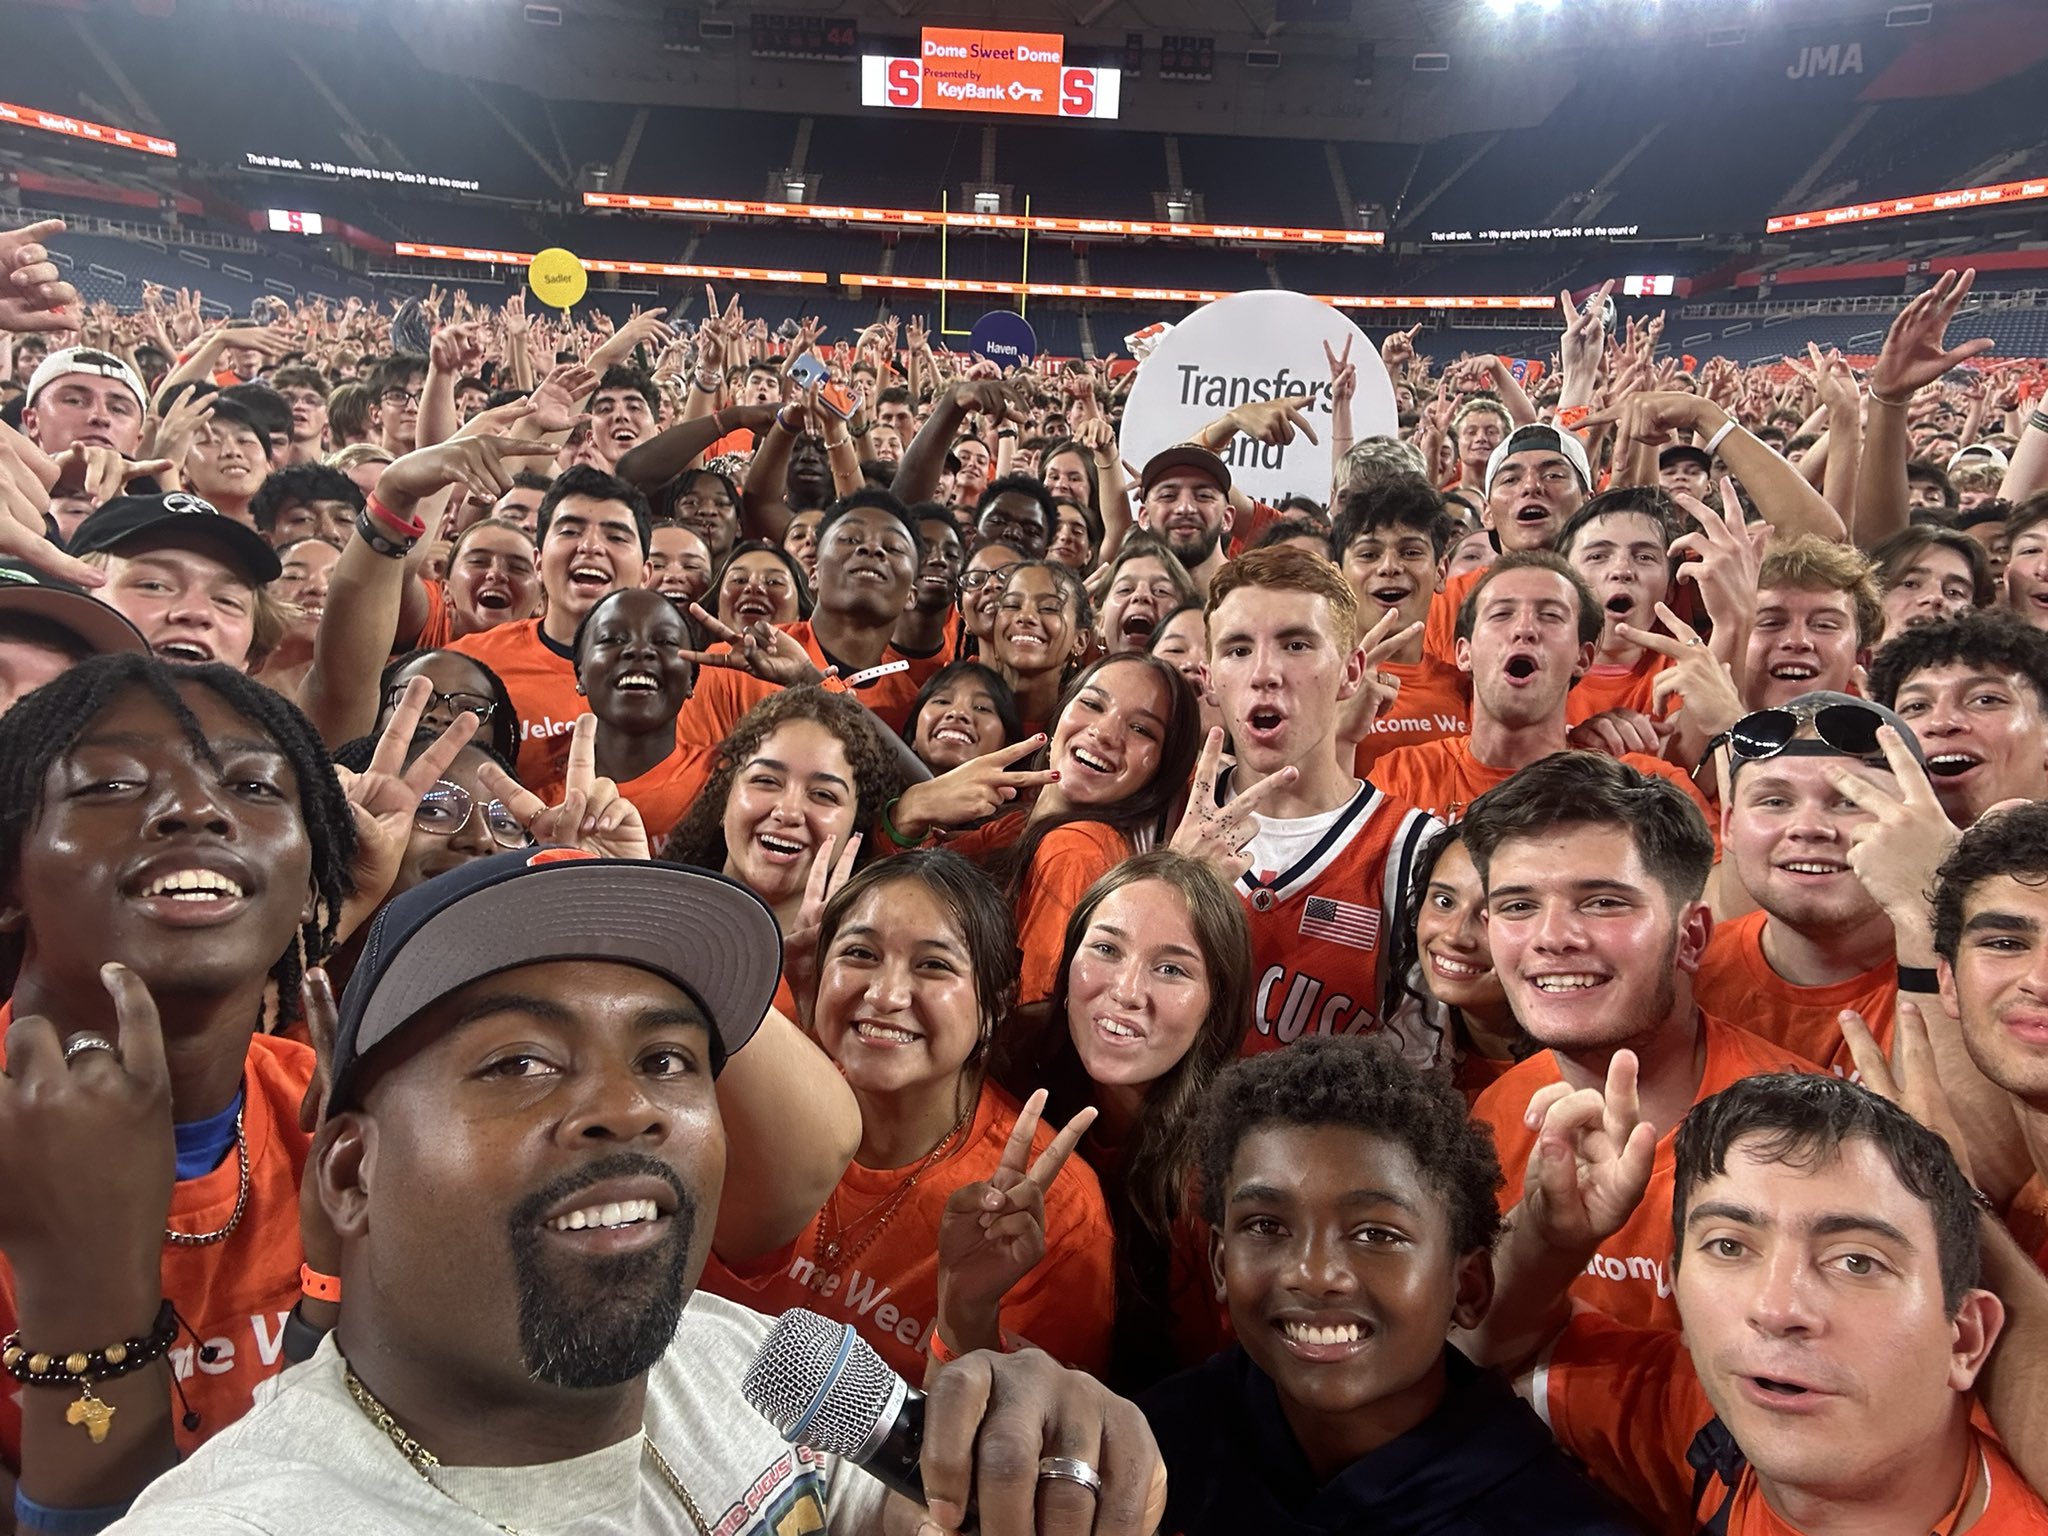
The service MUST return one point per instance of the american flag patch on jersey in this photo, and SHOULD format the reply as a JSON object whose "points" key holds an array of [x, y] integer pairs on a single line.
{"points": [[1342, 922]]}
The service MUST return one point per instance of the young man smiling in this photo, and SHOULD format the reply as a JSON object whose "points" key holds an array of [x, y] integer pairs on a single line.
{"points": [[1352, 1226], [1389, 541], [1975, 691], [1593, 874], [594, 530]]}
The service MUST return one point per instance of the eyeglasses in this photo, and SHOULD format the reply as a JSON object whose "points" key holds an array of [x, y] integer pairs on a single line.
{"points": [[446, 809], [974, 581], [478, 704], [1850, 729], [401, 396]]}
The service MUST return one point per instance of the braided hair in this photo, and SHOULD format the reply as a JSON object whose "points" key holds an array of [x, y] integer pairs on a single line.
{"points": [[45, 725]]}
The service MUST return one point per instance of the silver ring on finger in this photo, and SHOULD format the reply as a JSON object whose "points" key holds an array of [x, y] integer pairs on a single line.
{"points": [[1070, 1469], [78, 1045]]}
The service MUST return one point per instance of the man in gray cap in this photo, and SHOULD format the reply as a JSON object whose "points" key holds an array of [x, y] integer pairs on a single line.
{"points": [[521, 1155]]}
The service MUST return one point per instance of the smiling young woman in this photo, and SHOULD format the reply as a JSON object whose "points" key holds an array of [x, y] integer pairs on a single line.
{"points": [[916, 969]]}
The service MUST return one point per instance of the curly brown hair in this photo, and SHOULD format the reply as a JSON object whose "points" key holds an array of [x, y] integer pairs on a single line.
{"points": [[700, 837]]}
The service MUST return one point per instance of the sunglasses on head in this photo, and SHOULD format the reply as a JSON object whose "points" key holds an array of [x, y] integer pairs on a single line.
{"points": [[1850, 729]]}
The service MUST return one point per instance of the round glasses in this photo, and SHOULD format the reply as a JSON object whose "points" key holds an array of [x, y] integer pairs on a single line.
{"points": [[445, 810]]}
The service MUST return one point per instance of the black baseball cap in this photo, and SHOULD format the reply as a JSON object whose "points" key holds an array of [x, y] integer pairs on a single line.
{"points": [[1183, 456], [102, 631], [1686, 453], [711, 936], [128, 523]]}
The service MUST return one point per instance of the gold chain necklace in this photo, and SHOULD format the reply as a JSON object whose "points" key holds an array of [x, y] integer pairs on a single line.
{"points": [[200, 1239], [833, 1253], [423, 1461]]}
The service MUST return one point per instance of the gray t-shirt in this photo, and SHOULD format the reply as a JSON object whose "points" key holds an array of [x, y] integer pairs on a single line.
{"points": [[307, 1462]]}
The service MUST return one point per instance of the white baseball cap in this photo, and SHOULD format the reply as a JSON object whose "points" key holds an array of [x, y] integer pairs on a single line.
{"points": [[1535, 437], [89, 360]]}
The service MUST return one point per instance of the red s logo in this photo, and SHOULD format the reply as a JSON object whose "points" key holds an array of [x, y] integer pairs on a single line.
{"points": [[905, 80], [1077, 93]]}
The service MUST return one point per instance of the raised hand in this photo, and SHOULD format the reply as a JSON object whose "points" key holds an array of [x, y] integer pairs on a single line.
{"points": [[1343, 372], [800, 943], [1702, 680], [1274, 421], [385, 796], [768, 653], [1398, 348], [1895, 853], [1592, 1158], [457, 350], [972, 792], [1377, 690], [593, 815], [483, 466], [90, 1158], [557, 400], [1585, 331], [33, 294], [993, 1232], [1913, 355], [1726, 572], [1219, 835]]}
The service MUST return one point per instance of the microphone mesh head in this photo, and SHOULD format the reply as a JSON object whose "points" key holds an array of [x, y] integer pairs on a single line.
{"points": [[793, 1375]]}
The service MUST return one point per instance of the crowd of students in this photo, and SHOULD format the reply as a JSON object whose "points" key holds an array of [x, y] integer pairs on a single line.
{"points": [[571, 845]]}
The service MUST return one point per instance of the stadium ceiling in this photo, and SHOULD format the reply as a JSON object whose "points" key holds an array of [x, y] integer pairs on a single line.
{"points": [[1272, 20]]}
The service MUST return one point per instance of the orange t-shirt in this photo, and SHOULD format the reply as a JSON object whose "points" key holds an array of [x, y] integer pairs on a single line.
{"points": [[1630, 1277], [1735, 981], [888, 1286], [439, 627], [1605, 688], [1435, 701], [1628, 1403], [661, 795], [1444, 777], [1440, 629], [541, 678], [1068, 859], [889, 687], [233, 1294]]}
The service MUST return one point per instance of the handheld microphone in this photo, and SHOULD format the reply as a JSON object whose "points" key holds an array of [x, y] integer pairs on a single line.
{"points": [[823, 1386]]}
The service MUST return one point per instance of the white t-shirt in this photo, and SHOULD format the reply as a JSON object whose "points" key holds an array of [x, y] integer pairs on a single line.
{"points": [[306, 1461]]}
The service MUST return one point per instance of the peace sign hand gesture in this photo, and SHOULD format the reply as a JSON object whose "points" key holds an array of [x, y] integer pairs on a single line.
{"points": [[771, 654], [593, 815], [993, 1233], [1343, 372], [384, 797], [1218, 835], [1895, 854], [800, 944], [972, 792]]}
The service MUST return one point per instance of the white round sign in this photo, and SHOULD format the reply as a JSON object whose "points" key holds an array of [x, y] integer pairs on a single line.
{"points": [[1259, 345]]}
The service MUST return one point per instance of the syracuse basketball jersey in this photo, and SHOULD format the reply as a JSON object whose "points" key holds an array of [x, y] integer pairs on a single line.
{"points": [[1321, 928]]}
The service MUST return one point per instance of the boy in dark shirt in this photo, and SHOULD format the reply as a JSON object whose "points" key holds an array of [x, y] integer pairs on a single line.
{"points": [[1353, 1210]]}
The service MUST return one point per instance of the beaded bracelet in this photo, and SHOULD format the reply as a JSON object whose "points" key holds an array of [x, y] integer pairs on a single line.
{"points": [[85, 1368]]}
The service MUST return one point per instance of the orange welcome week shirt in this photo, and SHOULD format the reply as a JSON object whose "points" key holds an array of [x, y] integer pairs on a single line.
{"points": [[1435, 701], [541, 678], [1630, 1277], [889, 1290], [1735, 981], [236, 1293], [1444, 777], [1628, 1403], [1604, 688]]}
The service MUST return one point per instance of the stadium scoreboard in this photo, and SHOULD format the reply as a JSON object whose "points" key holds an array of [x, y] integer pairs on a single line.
{"points": [[960, 70]]}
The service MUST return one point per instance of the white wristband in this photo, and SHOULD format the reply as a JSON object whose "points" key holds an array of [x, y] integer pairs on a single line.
{"points": [[1719, 437]]}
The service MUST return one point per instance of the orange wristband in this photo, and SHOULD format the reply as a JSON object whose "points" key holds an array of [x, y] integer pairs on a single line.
{"points": [[325, 1287], [938, 1348]]}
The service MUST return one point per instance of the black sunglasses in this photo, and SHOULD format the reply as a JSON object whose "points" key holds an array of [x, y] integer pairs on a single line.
{"points": [[1850, 729]]}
